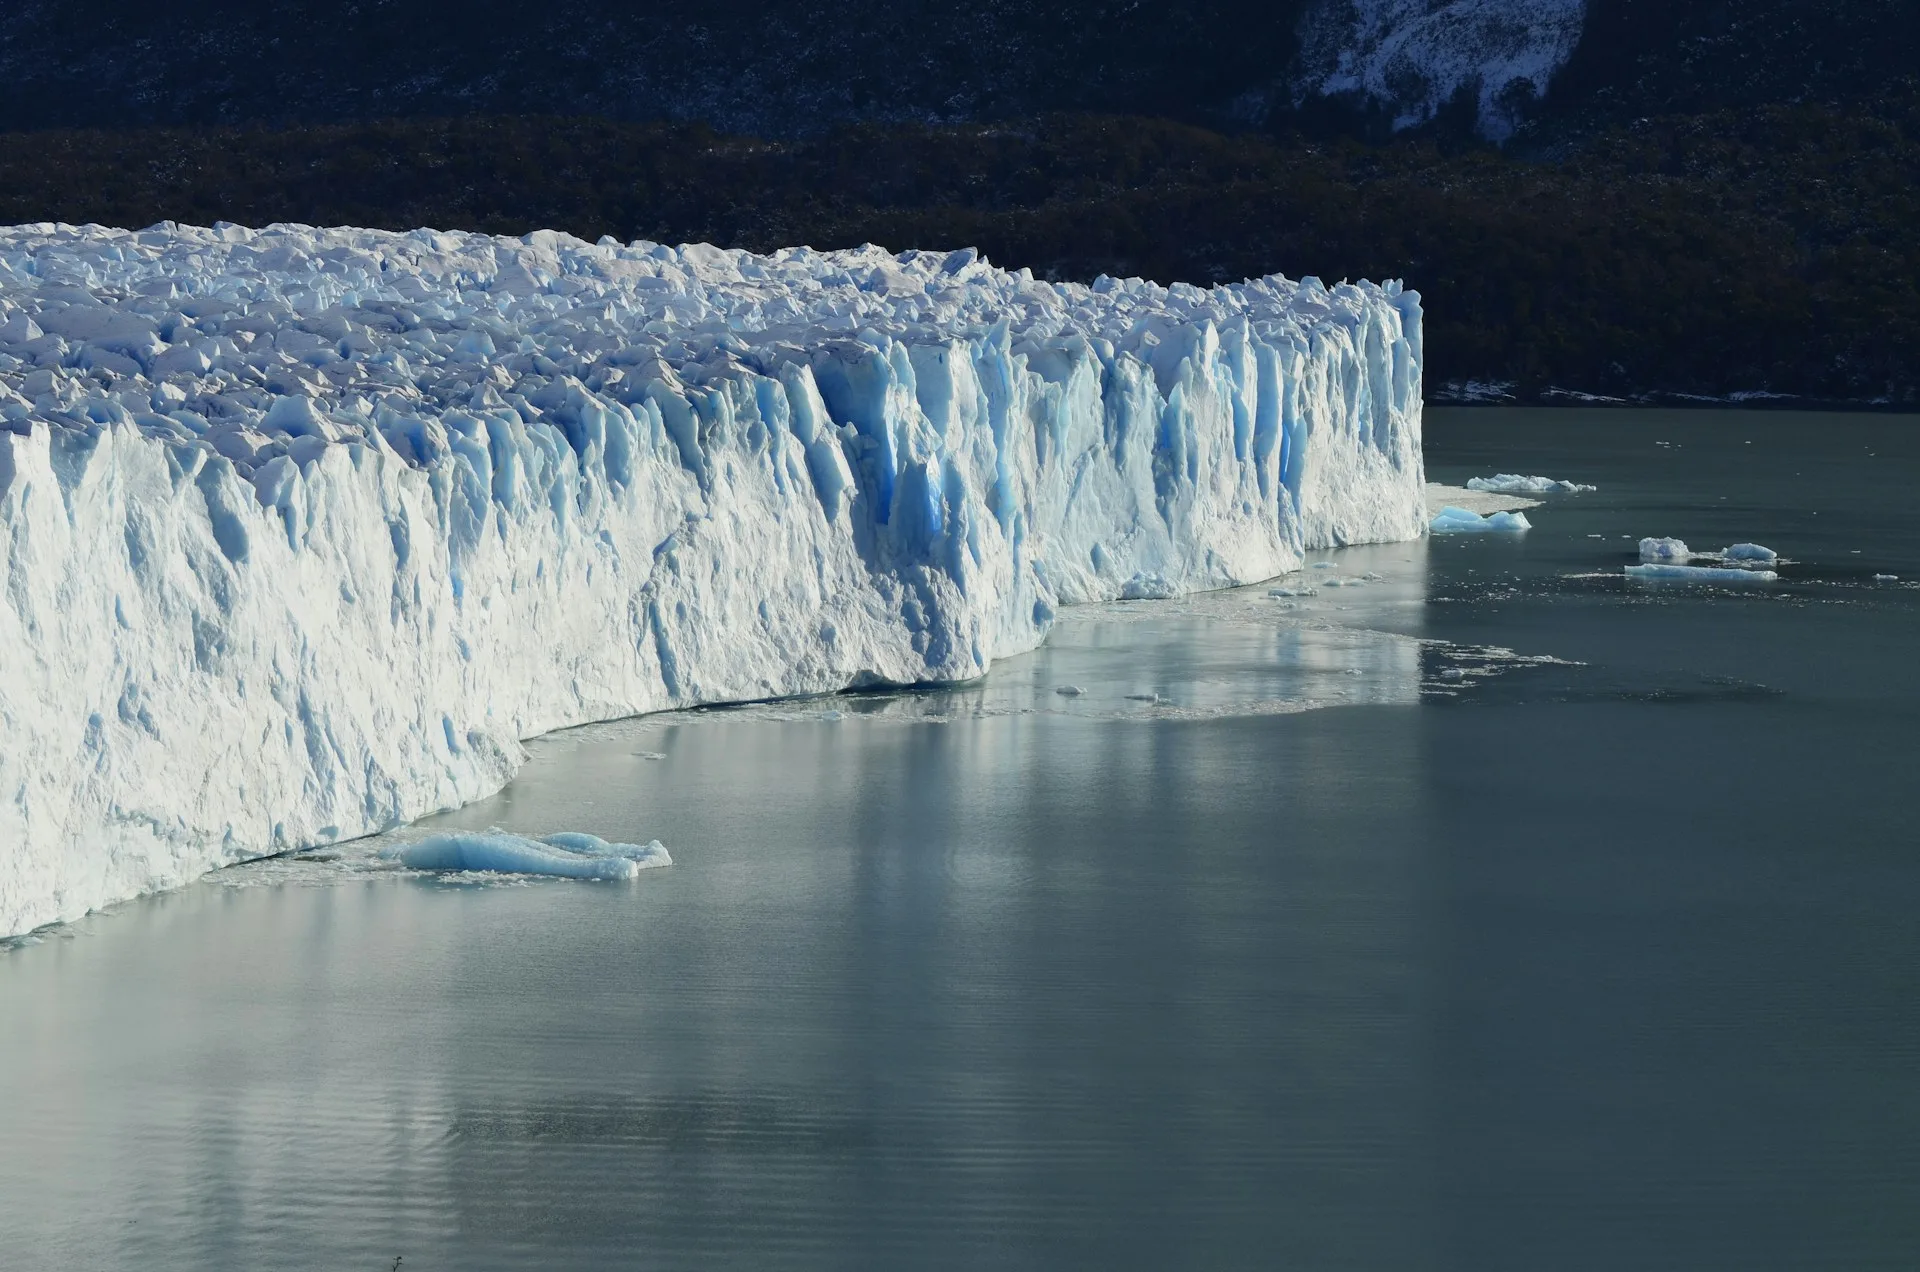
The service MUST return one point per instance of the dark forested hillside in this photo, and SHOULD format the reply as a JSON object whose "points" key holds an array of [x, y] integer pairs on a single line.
{"points": [[762, 66], [1775, 250], [775, 67], [1657, 57]]}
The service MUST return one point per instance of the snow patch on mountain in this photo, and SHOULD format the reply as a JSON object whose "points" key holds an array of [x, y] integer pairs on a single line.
{"points": [[1412, 57]]}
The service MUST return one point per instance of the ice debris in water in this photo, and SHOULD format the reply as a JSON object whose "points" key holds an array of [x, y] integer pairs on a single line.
{"points": [[1664, 550], [305, 530], [1515, 484], [1750, 552], [1698, 574], [1452, 520], [569, 855], [1069, 691], [1675, 551], [1886, 578]]}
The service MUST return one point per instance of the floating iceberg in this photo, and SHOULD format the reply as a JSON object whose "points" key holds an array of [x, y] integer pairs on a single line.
{"points": [[568, 855], [1750, 552], [1675, 551], [1664, 550], [1461, 521], [1514, 484], [303, 531], [1698, 574]]}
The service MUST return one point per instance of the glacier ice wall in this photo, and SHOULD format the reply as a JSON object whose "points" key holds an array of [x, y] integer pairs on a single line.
{"points": [[303, 531], [1413, 56]]}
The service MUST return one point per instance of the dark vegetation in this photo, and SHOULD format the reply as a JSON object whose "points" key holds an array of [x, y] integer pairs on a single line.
{"points": [[785, 68], [767, 67], [1775, 248]]}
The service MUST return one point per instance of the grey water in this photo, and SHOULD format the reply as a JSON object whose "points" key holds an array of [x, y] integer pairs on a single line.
{"points": [[1491, 913]]}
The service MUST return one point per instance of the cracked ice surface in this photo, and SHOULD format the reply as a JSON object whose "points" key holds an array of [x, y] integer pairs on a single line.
{"points": [[304, 530]]}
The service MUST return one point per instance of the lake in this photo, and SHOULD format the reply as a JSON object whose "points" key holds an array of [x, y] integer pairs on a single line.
{"points": [[1488, 913]]}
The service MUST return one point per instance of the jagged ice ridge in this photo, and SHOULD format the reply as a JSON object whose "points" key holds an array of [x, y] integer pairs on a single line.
{"points": [[303, 531]]}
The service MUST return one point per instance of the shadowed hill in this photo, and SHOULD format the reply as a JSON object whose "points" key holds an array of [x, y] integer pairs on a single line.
{"points": [[779, 68], [1773, 250]]}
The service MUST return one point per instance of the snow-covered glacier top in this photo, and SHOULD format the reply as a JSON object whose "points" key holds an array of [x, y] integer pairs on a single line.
{"points": [[303, 530], [267, 343], [1413, 56]]}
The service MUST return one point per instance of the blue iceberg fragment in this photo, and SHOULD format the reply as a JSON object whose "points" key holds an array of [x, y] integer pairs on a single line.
{"points": [[568, 855]]}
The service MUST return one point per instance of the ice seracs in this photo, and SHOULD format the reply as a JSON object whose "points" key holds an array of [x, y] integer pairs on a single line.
{"points": [[303, 531]]}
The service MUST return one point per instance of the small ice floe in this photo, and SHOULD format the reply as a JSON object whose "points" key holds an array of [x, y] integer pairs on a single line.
{"points": [[1659, 573], [1886, 578], [1143, 697], [1665, 550], [1750, 552], [1515, 484], [568, 855], [1302, 590], [1069, 691], [1452, 673], [833, 717], [1325, 565], [1460, 521]]}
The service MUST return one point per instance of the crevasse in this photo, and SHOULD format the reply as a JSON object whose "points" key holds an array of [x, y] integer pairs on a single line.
{"points": [[303, 531]]}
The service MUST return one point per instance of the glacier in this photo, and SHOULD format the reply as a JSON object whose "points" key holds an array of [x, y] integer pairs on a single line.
{"points": [[304, 530]]}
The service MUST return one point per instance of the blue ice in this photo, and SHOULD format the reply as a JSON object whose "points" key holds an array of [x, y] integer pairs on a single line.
{"points": [[1751, 552], [568, 855]]}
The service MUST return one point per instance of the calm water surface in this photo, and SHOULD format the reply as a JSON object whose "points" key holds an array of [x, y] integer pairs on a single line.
{"points": [[1602, 954]]}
